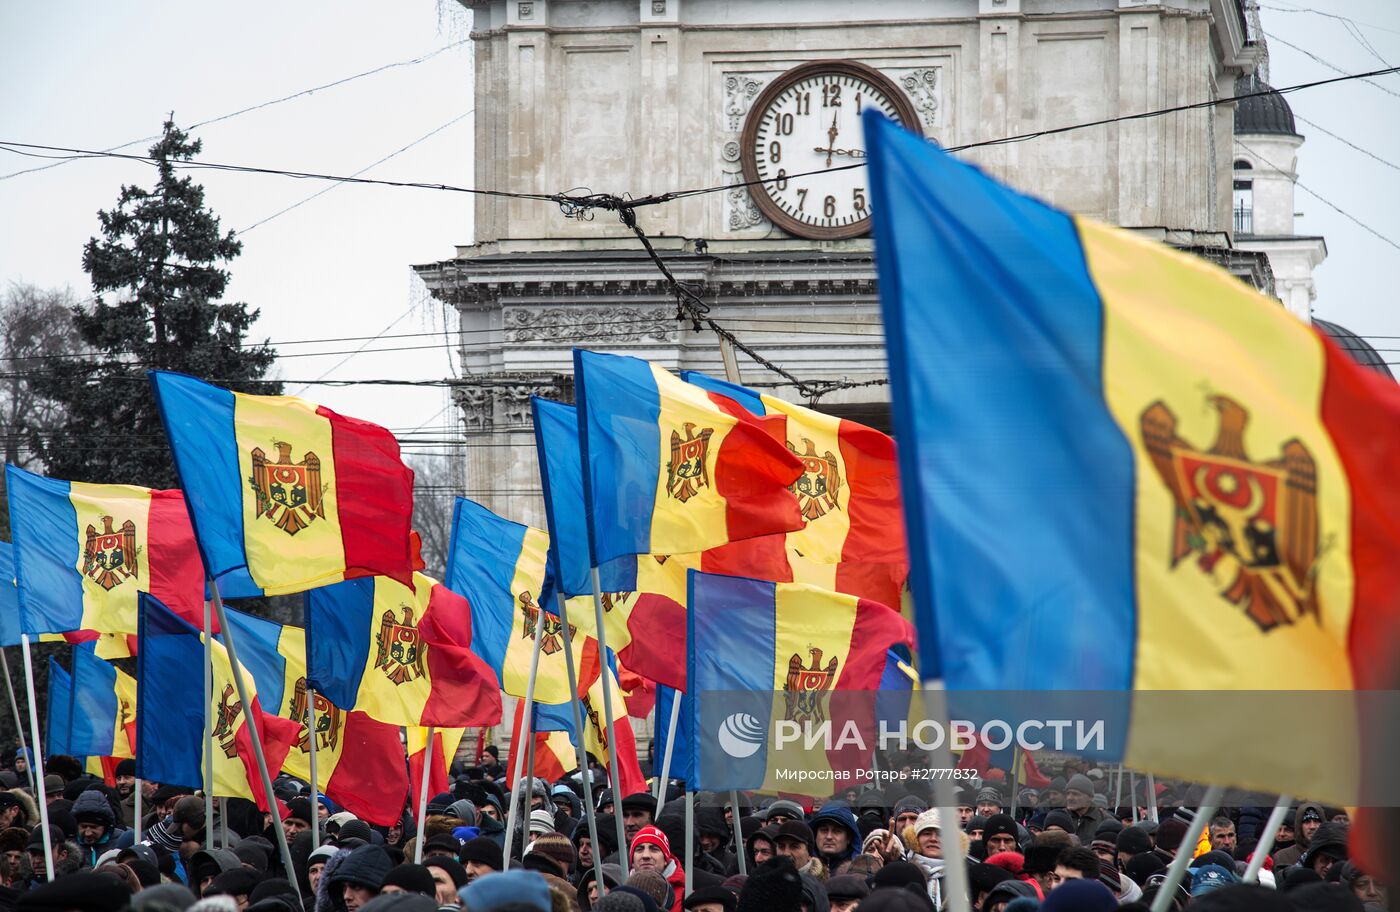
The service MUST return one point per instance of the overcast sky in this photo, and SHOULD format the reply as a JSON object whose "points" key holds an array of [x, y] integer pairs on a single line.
{"points": [[95, 75]]}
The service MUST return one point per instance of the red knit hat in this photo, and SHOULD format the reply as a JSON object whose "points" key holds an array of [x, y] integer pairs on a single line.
{"points": [[650, 835]]}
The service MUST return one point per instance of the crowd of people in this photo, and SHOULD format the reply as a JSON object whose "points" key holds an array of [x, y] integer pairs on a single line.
{"points": [[1063, 848]]}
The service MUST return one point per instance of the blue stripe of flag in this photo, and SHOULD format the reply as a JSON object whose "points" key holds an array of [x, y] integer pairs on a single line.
{"points": [[339, 621], [170, 725], [94, 703]]}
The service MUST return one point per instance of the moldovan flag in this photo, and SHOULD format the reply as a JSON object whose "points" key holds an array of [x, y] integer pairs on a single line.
{"points": [[672, 469], [58, 725], [1096, 426], [401, 655], [102, 720], [848, 492], [84, 552], [359, 761], [765, 656], [170, 725], [287, 495], [445, 744], [108, 645], [499, 567]]}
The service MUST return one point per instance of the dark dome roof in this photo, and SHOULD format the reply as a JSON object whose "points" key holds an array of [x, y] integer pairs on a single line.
{"points": [[1264, 113], [1358, 348]]}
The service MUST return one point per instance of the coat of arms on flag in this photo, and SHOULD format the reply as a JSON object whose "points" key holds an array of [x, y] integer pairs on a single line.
{"points": [[818, 486], [110, 556], [1254, 524], [806, 685], [328, 719], [687, 472], [400, 647], [550, 640], [288, 493], [226, 721]]}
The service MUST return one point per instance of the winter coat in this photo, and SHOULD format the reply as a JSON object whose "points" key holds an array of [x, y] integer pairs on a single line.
{"points": [[1289, 856]]}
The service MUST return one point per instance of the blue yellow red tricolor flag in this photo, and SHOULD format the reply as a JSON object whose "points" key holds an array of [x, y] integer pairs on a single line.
{"points": [[83, 553], [102, 718], [58, 724], [286, 495], [359, 761], [170, 725], [108, 645], [671, 469], [1098, 426], [401, 655], [444, 750], [498, 566], [794, 650]]}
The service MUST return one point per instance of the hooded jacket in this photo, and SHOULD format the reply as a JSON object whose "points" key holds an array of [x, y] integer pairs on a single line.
{"points": [[840, 814], [1290, 855], [30, 809]]}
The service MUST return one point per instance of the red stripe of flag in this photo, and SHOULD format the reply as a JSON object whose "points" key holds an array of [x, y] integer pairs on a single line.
{"points": [[172, 558], [465, 690], [753, 475], [877, 523], [370, 780], [374, 497]]}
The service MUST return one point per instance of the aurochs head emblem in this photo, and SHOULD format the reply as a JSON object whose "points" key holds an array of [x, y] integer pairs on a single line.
{"points": [[1252, 525], [288, 493], [401, 652], [688, 472], [818, 487], [109, 556]]}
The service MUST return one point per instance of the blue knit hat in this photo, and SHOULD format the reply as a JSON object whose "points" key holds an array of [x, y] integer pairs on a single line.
{"points": [[492, 891]]}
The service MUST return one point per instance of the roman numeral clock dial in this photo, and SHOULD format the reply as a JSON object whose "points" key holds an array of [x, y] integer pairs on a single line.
{"points": [[801, 133]]}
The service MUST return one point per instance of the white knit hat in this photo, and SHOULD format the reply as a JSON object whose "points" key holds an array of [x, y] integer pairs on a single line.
{"points": [[928, 820]]}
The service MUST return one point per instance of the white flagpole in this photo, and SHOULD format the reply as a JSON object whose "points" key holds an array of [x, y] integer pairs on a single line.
{"points": [[136, 823], [423, 796], [1167, 891], [315, 786], [19, 721], [955, 898], [666, 757], [209, 723], [1266, 841], [1133, 795], [622, 847], [526, 726], [740, 850], [254, 735], [587, 774], [689, 842], [1152, 798], [38, 760]]}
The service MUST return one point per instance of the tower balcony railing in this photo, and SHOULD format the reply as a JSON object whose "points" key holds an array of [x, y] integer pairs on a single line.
{"points": [[1244, 220]]}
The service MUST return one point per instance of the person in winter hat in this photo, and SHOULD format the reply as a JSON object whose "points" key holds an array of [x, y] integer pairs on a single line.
{"points": [[651, 851], [1306, 820], [836, 834], [97, 825], [358, 876], [513, 890], [794, 839], [925, 842], [772, 886], [1326, 848]]}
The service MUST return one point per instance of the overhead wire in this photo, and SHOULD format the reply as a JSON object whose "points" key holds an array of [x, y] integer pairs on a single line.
{"points": [[1346, 142], [1364, 77]]}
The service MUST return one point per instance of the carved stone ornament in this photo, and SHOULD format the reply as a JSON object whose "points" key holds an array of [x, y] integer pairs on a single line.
{"points": [[500, 403], [527, 9], [585, 324], [924, 87], [740, 90], [477, 411], [658, 7], [743, 212], [739, 93]]}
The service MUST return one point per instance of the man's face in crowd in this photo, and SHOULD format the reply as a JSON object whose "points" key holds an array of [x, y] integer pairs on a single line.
{"points": [[648, 857], [476, 869], [1285, 833], [36, 862], [585, 852], [708, 843], [964, 815], [633, 820], [905, 819], [536, 802], [90, 833], [148, 790], [294, 825], [975, 833], [446, 890], [832, 838], [357, 895], [762, 851], [844, 905], [795, 849], [489, 810], [1310, 826], [8, 816], [313, 872], [1107, 856], [988, 808], [930, 843], [1001, 842], [14, 859], [1369, 890], [777, 819], [1051, 798], [1323, 863], [126, 785], [1063, 874], [1223, 837], [1075, 800]]}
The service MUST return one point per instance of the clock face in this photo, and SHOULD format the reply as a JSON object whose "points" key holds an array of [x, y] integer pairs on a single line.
{"points": [[801, 138]]}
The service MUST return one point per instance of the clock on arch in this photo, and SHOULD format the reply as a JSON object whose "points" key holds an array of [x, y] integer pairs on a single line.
{"points": [[800, 138]]}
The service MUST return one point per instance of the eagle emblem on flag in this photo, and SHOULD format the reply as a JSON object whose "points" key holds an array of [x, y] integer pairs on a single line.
{"points": [[550, 637], [615, 599], [600, 731], [328, 719], [109, 556], [687, 472], [400, 650], [806, 686], [288, 493], [818, 487], [226, 721], [1253, 526]]}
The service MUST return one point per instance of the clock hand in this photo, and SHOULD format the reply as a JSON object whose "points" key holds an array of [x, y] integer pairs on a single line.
{"points": [[831, 138], [853, 153]]}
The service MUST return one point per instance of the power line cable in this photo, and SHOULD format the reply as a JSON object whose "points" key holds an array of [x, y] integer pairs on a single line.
{"points": [[1346, 142], [1372, 25], [259, 106], [1332, 66]]}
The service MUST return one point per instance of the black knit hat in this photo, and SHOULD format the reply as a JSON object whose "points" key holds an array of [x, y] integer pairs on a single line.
{"points": [[772, 885], [126, 767], [238, 881], [83, 891], [1040, 858], [452, 866], [299, 809], [482, 850], [999, 825], [1133, 841], [413, 878]]}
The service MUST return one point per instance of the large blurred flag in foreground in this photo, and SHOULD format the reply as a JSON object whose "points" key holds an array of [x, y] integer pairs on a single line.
{"points": [[765, 655], [83, 553], [1127, 470], [286, 495], [170, 726], [401, 655], [102, 722], [359, 761], [671, 469]]}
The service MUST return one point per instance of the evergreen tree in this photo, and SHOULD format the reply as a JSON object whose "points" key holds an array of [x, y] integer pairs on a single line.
{"points": [[158, 275]]}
